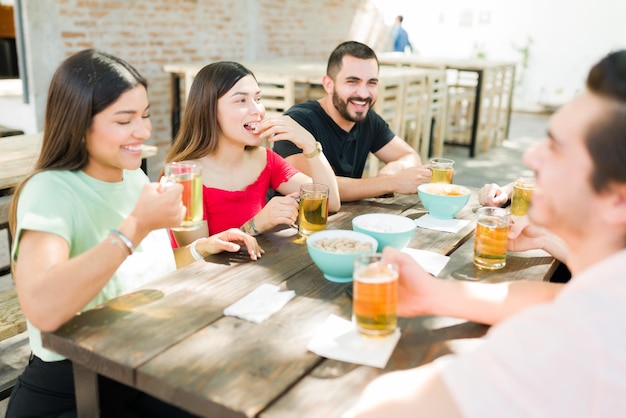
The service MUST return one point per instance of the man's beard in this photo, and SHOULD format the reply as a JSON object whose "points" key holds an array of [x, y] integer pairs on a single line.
{"points": [[342, 107]]}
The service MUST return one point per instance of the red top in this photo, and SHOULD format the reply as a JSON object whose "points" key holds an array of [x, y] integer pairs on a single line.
{"points": [[224, 209]]}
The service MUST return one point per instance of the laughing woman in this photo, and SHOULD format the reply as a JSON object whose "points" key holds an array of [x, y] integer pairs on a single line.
{"points": [[85, 228], [221, 131]]}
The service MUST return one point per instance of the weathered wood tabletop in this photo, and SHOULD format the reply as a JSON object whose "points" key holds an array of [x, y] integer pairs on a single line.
{"points": [[171, 339]]}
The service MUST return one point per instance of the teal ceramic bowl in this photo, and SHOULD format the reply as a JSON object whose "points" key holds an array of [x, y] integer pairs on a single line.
{"points": [[443, 201], [337, 266], [389, 230]]}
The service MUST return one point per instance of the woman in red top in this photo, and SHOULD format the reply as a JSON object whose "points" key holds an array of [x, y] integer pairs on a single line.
{"points": [[220, 131]]}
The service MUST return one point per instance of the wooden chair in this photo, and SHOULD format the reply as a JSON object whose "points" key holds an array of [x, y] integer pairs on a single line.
{"points": [[414, 111], [389, 106], [434, 126]]}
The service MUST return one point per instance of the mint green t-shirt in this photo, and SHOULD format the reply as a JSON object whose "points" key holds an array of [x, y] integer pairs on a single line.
{"points": [[82, 210]]}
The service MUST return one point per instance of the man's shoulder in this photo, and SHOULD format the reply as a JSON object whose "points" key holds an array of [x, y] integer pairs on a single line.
{"points": [[307, 107]]}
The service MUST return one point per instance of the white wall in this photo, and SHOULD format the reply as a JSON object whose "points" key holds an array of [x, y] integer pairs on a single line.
{"points": [[568, 37]]}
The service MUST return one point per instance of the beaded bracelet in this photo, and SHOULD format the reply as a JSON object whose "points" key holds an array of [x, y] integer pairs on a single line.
{"points": [[194, 252], [125, 240]]}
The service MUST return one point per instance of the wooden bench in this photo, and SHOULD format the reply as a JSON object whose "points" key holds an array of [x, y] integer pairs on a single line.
{"points": [[12, 323], [4, 229], [12, 320]]}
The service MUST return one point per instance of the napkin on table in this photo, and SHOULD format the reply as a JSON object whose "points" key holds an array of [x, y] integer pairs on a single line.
{"points": [[260, 304], [338, 339], [445, 225], [430, 261]]}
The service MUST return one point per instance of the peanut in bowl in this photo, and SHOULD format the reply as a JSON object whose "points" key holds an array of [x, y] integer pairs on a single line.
{"points": [[333, 251]]}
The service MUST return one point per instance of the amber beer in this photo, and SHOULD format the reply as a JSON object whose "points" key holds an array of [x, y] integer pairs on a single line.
{"points": [[189, 175], [522, 193], [375, 295], [492, 234], [313, 211], [442, 170]]}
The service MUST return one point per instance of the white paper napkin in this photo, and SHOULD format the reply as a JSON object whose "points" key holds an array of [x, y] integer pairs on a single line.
{"points": [[445, 225], [260, 304], [338, 339], [430, 261]]}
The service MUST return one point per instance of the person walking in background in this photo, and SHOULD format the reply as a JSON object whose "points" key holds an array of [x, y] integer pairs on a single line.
{"points": [[88, 226], [349, 130], [221, 130], [554, 350], [400, 36]]}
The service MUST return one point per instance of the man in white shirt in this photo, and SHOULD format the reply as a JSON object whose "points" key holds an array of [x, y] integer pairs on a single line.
{"points": [[554, 350]]}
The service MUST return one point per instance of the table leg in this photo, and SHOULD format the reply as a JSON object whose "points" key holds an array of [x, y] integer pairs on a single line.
{"points": [[476, 116], [86, 387]]}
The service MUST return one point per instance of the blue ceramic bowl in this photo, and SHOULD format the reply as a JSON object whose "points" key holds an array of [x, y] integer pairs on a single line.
{"points": [[443, 201], [337, 266], [388, 229]]}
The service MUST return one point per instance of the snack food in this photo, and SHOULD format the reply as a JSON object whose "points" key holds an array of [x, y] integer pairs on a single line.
{"points": [[342, 245]]}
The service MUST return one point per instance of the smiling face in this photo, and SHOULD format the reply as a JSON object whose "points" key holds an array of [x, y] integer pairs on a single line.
{"points": [[116, 135], [564, 200], [355, 88], [239, 111]]}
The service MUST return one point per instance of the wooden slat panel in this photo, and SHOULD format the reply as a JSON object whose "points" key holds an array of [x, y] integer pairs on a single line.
{"points": [[12, 320]]}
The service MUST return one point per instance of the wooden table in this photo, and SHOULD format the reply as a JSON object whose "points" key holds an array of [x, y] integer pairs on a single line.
{"points": [[19, 153], [171, 339], [480, 95], [285, 83]]}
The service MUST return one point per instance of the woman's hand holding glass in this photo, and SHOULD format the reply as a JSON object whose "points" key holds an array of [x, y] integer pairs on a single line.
{"points": [[170, 210], [280, 210]]}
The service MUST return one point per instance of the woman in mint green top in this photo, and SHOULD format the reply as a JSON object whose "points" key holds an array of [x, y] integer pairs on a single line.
{"points": [[88, 226]]}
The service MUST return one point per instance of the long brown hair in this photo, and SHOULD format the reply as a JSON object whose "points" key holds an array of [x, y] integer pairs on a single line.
{"points": [[82, 86], [199, 130]]}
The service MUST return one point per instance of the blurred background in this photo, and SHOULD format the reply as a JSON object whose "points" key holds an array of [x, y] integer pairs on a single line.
{"points": [[552, 42]]}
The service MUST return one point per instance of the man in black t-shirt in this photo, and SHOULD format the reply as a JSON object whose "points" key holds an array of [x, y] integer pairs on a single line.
{"points": [[347, 129]]}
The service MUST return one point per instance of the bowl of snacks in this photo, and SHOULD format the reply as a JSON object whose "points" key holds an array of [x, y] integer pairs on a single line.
{"points": [[388, 229], [443, 201], [333, 251]]}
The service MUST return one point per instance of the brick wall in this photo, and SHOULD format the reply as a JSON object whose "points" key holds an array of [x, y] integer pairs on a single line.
{"points": [[152, 33]]}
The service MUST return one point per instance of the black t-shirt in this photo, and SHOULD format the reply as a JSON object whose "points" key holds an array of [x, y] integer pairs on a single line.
{"points": [[346, 152]]}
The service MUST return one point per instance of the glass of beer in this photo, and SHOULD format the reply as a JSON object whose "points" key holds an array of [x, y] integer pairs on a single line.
{"points": [[522, 193], [375, 295], [492, 230], [190, 176], [442, 169], [313, 213]]}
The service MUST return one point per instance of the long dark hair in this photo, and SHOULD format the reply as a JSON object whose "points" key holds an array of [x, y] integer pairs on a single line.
{"points": [[82, 86], [199, 131]]}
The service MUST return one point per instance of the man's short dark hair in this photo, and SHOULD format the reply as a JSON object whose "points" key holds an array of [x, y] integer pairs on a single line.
{"points": [[606, 139], [350, 48]]}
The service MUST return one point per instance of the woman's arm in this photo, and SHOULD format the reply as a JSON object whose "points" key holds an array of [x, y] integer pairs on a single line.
{"points": [[53, 287]]}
